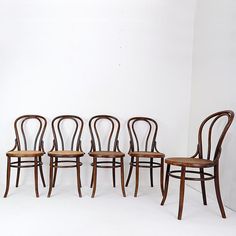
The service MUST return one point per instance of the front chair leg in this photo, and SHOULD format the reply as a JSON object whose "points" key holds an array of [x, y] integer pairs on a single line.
{"points": [[78, 176], [166, 185], [8, 176], [55, 172], [181, 193], [50, 177], [162, 176], [122, 176], [36, 176], [203, 187], [130, 171], [151, 171], [137, 177], [217, 189], [114, 172], [41, 172], [94, 176], [18, 172]]}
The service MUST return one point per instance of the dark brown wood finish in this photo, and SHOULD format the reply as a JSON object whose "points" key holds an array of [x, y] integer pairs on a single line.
{"points": [[110, 151], [201, 161], [59, 150], [148, 152], [21, 150]]}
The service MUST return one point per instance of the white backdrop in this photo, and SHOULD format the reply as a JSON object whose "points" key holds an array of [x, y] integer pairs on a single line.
{"points": [[124, 58]]}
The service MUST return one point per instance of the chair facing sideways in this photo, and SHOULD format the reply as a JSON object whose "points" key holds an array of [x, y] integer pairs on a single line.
{"points": [[148, 151], [22, 150], [202, 159], [62, 157], [105, 145]]}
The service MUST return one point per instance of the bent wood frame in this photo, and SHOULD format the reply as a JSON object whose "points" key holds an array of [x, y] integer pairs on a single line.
{"points": [[38, 146]]}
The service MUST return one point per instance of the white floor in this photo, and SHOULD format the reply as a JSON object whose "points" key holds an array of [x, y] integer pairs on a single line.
{"points": [[21, 214]]}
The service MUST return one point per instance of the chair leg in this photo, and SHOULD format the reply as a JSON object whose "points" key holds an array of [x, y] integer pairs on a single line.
{"points": [[166, 185], [8, 176], [130, 171], [78, 176], [217, 189], [50, 177], [137, 177], [114, 172], [91, 183], [55, 172], [94, 176], [181, 193], [162, 176], [36, 176], [203, 187], [41, 172], [18, 172], [151, 171], [122, 176]]}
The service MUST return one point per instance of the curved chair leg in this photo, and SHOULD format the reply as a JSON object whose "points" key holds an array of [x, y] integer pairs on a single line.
{"points": [[78, 176], [166, 185], [91, 184], [41, 172], [8, 176], [203, 187], [137, 177], [50, 177], [130, 172], [36, 176], [181, 193], [55, 172], [122, 176], [94, 176], [151, 171], [114, 172], [162, 176], [18, 172], [217, 189]]}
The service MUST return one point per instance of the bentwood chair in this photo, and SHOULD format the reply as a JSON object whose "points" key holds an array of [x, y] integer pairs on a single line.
{"points": [[21, 149], [143, 145], [105, 145], [217, 123], [59, 154]]}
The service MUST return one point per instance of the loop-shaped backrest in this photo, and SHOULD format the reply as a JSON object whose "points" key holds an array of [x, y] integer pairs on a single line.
{"points": [[220, 123], [143, 137], [30, 129], [104, 130], [63, 135]]}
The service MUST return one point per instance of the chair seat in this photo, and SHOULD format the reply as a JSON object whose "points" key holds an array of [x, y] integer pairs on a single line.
{"points": [[189, 162], [24, 153], [66, 153], [147, 154], [106, 154]]}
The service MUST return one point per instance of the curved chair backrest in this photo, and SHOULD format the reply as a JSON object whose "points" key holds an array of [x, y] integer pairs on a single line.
{"points": [[22, 141], [148, 136], [217, 121], [74, 138], [104, 141]]}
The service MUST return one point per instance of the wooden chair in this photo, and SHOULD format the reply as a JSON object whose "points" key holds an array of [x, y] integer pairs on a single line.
{"points": [[22, 150], [149, 151], [201, 160], [59, 150], [110, 151]]}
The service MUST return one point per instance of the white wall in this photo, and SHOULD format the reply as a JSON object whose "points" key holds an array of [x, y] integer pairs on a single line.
{"points": [[125, 58], [213, 82]]}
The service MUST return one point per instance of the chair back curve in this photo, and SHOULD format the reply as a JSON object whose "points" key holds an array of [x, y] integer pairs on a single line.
{"points": [[23, 132], [219, 121], [65, 138], [148, 136], [104, 131]]}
